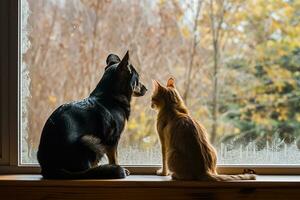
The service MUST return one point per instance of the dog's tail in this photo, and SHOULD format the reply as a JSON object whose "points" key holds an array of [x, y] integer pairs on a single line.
{"points": [[217, 177], [100, 172]]}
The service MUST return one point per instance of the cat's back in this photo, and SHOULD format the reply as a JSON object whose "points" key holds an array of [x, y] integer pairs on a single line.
{"points": [[183, 121], [183, 130]]}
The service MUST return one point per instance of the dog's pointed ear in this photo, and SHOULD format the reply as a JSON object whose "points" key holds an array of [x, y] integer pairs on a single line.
{"points": [[171, 82], [123, 65], [112, 59]]}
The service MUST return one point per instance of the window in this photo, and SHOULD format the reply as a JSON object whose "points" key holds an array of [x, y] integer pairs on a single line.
{"points": [[236, 67]]}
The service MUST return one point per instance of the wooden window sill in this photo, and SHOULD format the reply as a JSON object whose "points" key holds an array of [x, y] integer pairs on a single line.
{"points": [[147, 187], [150, 181]]}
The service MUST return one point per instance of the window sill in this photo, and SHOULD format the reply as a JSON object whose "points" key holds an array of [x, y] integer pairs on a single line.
{"points": [[150, 181], [148, 187]]}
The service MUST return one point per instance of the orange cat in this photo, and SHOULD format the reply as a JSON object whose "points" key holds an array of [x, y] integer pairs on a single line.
{"points": [[186, 151]]}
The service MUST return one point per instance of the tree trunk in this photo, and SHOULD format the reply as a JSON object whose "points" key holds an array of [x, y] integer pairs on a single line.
{"points": [[192, 54], [215, 29], [215, 105]]}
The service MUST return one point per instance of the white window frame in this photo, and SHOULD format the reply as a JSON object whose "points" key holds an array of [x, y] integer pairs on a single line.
{"points": [[9, 107]]}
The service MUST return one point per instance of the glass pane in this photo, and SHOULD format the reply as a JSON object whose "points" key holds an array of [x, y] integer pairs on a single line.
{"points": [[236, 66]]}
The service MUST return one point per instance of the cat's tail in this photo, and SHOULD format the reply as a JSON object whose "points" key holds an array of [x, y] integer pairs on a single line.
{"points": [[100, 172], [217, 177]]}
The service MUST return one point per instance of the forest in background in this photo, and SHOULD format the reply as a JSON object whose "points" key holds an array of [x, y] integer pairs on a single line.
{"points": [[236, 64]]}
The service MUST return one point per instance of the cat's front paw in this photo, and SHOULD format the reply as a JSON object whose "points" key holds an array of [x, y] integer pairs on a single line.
{"points": [[162, 172]]}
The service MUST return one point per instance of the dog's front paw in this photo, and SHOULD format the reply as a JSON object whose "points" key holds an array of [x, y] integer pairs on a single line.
{"points": [[127, 172], [162, 172]]}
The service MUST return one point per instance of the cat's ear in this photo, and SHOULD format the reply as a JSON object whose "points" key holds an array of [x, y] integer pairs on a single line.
{"points": [[156, 86], [171, 82]]}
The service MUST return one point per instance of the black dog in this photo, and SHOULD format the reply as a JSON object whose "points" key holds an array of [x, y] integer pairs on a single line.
{"points": [[78, 134]]}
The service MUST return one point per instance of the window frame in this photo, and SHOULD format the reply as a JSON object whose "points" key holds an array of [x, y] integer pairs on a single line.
{"points": [[9, 107], [9, 82]]}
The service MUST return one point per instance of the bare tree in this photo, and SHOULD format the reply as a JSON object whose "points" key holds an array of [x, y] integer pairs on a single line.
{"points": [[216, 20], [192, 53]]}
